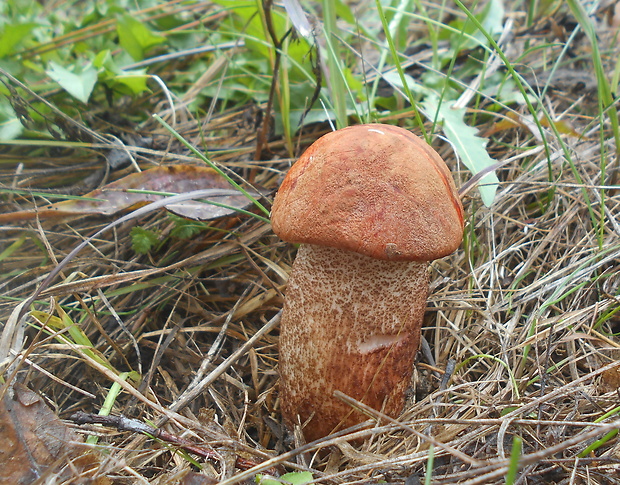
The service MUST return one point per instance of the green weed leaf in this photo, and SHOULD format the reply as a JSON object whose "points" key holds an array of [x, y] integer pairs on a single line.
{"points": [[10, 126], [136, 38], [492, 19], [134, 82], [79, 85], [469, 146], [12, 35], [515, 454], [127, 82], [76, 335], [185, 228], [143, 240]]}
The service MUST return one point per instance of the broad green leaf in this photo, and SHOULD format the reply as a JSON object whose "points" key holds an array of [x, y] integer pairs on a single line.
{"points": [[134, 81], [395, 80], [469, 146], [104, 60], [184, 228], [12, 34], [10, 126], [79, 85], [136, 38], [128, 82], [493, 17], [344, 12]]}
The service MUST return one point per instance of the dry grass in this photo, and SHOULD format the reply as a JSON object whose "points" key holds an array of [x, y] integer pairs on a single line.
{"points": [[521, 322]]}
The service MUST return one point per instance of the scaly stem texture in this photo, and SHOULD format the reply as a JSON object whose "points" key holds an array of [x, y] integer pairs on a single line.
{"points": [[350, 323]]}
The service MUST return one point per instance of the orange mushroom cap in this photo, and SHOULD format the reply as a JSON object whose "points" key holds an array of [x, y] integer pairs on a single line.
{"points": [[374, 189]]}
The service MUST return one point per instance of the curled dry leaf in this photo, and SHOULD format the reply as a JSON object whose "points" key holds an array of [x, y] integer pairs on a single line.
{"points": [[34, 443], [119, 195]]}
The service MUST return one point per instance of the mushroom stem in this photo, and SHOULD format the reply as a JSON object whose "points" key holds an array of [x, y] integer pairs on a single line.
{"points": [[350, 323]]}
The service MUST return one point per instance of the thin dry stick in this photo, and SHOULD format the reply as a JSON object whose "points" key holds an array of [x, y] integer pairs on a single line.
{"points": [[216, 346], [123, 423], [348, 434], [559, 391], [537, 456], [191, 393], [378, 415], [171, 413]]}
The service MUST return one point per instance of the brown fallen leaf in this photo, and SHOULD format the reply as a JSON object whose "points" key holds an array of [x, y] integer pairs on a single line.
{"points": [[120, 195], [610, 380], [193, 478], [513, 120], [34, 443]]}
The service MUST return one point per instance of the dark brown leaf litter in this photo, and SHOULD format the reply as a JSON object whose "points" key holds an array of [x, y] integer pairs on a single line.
{"points": [[37, 446]]}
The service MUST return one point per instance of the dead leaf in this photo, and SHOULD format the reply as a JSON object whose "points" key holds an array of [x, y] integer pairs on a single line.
{"points": [[34, 443], [119, 195], [193, 478], [610, 380], [514, 120]]}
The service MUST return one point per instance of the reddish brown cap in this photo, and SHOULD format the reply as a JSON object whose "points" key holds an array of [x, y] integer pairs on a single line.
{"points": [[375, 189]]}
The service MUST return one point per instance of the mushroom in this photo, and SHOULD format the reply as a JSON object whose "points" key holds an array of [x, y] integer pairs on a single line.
{"points": [[371, 205]]}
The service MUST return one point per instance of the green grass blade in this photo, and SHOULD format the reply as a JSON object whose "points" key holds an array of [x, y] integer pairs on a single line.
{"points": [[333, 55], [515, 454], [430, 462], [399, 69]]}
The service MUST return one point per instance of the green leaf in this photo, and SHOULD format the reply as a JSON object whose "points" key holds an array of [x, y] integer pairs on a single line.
{"points": [[142, 240], [12, 35], [470, 147], [515, 454], [344, 12], [104, 60], [10, 126], [76, 334], [294, 478], [133, 81], [491, 20], [79, 85], [493, 17], [128, 82], [136, 38], [185, 228]]}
